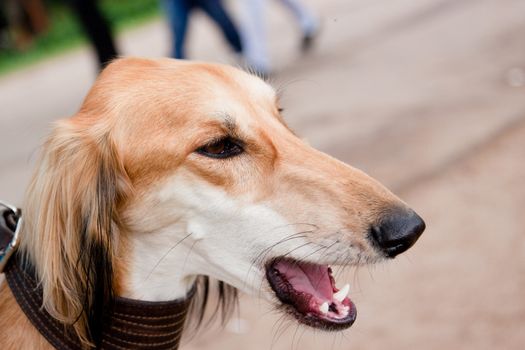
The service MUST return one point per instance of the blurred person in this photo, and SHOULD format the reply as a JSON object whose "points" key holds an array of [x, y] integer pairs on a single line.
{"points": [[26, 19], [35, 15], [254, 32], [4, 29], [96, 27], [179, 11]]}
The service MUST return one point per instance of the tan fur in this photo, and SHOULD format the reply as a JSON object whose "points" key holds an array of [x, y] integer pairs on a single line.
{"points": [[17, 331], [141, 122], [67, 179]]}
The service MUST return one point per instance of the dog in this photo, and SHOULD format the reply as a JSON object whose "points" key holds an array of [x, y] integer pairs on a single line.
{"points": [[173, 172]]}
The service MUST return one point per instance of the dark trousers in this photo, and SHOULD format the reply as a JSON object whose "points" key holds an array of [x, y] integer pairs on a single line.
{"points": [[178, 15], [96, 27]]}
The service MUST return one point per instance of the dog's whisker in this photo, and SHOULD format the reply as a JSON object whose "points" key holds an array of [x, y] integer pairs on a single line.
{"points": [[283, 327], [165, 255], [277, 324], [301, 336], [325, 252], [315, 227], [286, 254], [295, 334], [187, 255], [289, 252], [342, 260], [262, 255], [303, 258]]}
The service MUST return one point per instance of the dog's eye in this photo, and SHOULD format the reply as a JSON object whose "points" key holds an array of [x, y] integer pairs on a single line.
{"points": [[223, 148]]}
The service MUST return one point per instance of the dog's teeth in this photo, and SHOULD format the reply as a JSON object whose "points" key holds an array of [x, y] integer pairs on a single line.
{"points": [[341, 295], [324, 307]]}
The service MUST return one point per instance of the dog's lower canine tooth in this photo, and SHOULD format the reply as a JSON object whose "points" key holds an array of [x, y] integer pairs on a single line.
{"points": [[324, 307], [341, 295]]}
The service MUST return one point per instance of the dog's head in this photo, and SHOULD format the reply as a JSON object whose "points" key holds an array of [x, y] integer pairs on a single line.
{"points": [[173, 170]]}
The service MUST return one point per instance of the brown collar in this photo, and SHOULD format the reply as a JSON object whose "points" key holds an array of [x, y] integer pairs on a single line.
{"points": [[128, 324]]}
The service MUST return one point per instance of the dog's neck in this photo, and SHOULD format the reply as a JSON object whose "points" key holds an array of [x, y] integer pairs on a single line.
{"points": [[163, 266], [166, 262], [159, 270]]}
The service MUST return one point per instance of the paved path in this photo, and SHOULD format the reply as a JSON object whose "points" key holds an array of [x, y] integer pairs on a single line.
{"points": [[428, 96]]}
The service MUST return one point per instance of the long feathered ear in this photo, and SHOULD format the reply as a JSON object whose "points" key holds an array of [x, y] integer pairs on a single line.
{"points": [[71, 213]]}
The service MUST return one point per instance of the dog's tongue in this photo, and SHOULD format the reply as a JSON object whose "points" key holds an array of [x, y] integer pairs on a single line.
{"points": [[308, 278]]}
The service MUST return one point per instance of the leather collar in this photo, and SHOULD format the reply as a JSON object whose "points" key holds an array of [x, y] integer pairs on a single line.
{"points": [[128, 324]]}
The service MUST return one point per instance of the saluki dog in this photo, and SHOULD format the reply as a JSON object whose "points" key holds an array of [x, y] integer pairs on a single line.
{"points": [[174, 172]]}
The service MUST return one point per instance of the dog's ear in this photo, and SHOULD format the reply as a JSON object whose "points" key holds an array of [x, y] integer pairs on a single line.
{"points": [[71, 218]]}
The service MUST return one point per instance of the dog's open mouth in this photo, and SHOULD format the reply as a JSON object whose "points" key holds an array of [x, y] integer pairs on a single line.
{"points": [[309, 292]]}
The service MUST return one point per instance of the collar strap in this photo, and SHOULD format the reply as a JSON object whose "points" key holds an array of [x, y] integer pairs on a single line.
{"points": [[10, 223], [128, 324]]}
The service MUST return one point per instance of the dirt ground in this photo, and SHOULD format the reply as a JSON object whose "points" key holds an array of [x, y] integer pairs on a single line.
{"points": [[427, 96]]}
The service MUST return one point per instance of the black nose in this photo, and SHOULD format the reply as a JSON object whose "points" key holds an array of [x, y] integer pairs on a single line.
{"points": [[397, 232]]}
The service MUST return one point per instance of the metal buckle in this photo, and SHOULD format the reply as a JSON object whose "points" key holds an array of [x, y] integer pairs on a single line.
{"points": [[10, 249]]}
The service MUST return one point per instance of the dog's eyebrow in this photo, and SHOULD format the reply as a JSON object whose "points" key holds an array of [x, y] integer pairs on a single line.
{"points": [[230, 124]]}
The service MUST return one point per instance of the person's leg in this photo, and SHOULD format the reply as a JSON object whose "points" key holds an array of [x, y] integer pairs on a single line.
{"points": [[217, 12], [254, 36], [96, 28], [307, 21], [36, 15], [178, 12], [4, 29]]}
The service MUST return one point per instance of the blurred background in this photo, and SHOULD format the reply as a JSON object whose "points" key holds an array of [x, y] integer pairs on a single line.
{"points": [[427, 96]]}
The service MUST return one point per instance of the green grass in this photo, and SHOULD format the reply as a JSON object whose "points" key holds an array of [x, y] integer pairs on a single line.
{"points": [[65, 33]]}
